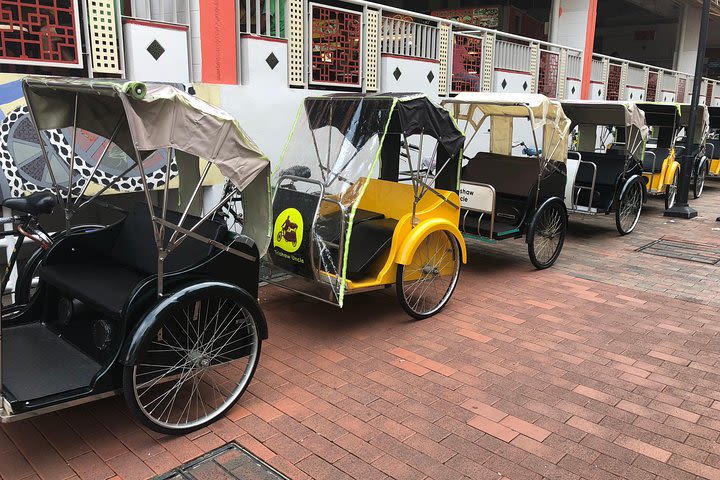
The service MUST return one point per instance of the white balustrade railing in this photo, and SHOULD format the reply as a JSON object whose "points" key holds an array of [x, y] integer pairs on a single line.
{"points": [[596, 73], [262, 17], [512, 56], [410, 39], [169, 11], [574, 66], [635, 77]]}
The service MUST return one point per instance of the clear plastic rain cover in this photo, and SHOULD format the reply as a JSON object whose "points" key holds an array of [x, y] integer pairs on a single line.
{"points": [[332, 152]]}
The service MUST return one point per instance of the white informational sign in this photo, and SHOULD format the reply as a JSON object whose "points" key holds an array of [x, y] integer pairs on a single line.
{"points": [[477, 197]]}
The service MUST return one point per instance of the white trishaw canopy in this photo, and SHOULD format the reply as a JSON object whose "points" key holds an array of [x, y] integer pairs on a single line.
{"points": [[543, 113]]}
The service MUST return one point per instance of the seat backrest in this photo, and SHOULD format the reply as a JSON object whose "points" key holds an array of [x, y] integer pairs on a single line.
{"points": [[507, 174], [661, 153], [135, 245], [609, 168]]}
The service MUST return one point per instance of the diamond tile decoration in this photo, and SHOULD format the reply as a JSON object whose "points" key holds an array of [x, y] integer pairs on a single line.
{"points": [[430, 76], [631, 96], [503, 84], [155, 49], [525, 85], [572, 90], [599, 93], [397, 73], [641, 95], [272, 61]]}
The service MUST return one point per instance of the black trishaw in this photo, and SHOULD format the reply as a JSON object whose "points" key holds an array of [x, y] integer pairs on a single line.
{"points": [[160, 306], [365, 197], [507, 189], [604, 167]]}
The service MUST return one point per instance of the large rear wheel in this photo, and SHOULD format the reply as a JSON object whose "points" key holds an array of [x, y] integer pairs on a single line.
{"points": [[196, 360], [546, 235], [425, 285], [629, 207], [671, 191]]}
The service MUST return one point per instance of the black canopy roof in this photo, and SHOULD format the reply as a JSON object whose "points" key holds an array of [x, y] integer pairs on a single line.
{"points": [[360, 116]]}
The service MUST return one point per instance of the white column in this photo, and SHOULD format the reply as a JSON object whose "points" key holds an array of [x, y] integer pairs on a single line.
{"points": [[687, 43], [568, 23]]}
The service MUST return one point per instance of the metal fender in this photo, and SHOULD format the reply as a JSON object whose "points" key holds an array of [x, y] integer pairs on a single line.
{"points": [[140, 334], [418, 234], [630, 182]]}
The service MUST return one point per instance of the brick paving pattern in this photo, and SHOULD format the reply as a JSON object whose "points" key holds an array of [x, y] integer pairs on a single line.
{"points": [[603, 367]]}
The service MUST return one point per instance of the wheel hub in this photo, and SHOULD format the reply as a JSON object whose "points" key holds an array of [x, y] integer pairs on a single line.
{"points": [[431, 270], [198, 359]]}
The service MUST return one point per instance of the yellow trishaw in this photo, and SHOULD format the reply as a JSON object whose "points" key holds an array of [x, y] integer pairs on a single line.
{"points": [[661, 168], [366, 196]]}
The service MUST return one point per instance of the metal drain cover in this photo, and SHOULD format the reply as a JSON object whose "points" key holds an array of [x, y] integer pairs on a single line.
{"points": [[682, 250], [228, 462]]}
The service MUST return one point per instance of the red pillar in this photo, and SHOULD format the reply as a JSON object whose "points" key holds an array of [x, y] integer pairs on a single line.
{"points": [[218, 41], [588, 53]]}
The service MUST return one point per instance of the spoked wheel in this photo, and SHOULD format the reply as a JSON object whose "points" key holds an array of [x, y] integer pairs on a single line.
{"points": [[547, 234], [700, 176], [425, 285], [671, 192], [196, 360], [628, 210]]}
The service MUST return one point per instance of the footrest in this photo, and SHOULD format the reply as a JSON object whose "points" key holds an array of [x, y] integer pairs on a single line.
{"points": [[370, 239]]}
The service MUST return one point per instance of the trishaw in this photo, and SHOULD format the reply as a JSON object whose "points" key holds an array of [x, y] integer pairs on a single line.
{"points": [[661, 167], [702, 150], [507, 189], [714, 140], [604, 175], [160, 306], [370, 184]]}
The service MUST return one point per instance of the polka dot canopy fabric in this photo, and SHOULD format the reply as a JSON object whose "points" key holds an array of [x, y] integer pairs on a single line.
{"points": [[25, 169]]}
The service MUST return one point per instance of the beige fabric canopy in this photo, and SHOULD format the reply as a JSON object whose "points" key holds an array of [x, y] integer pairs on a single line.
{"points": [[165, 118], [702, 121], [159, 117], [543, 113], [593, 113]]}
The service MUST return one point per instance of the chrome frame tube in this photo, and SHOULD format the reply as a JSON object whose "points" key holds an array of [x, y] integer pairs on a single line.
{"points": [[192, 199]]}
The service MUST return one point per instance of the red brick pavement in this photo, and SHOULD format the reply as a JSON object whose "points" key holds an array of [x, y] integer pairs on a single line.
{"points": [[605, 366]]}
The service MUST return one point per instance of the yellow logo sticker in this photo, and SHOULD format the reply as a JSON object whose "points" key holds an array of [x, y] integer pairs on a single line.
{"points": [[288, 232]]}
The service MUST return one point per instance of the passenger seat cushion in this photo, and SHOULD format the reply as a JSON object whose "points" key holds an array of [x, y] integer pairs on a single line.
{"points": [[329, 225], [369, 240], [102, 283]]}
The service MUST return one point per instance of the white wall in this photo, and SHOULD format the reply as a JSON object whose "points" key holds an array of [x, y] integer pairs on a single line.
{"points": [[255, 53], [414, 75], [171, 66], [570, 28], [688, 41], [597, 91], [569, 93], [634, 94]]}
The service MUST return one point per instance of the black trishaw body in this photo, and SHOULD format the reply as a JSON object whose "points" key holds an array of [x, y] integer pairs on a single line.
{"points": [[508, 191], [160, 306], [605, 161]]}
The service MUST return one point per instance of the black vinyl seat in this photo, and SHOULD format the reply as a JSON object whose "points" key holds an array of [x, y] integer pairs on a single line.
{"points": [[103, 274], [38, 203], [370, 240], [660, 155], [329, 225], [609, 169]]}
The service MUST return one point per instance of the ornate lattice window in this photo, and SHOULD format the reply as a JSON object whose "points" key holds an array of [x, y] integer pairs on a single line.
{"points": [[548, 73], [709, 94], [467, 64], [651, 86], [336, 40], [43, 32], [681, 90], [613, 86]]}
